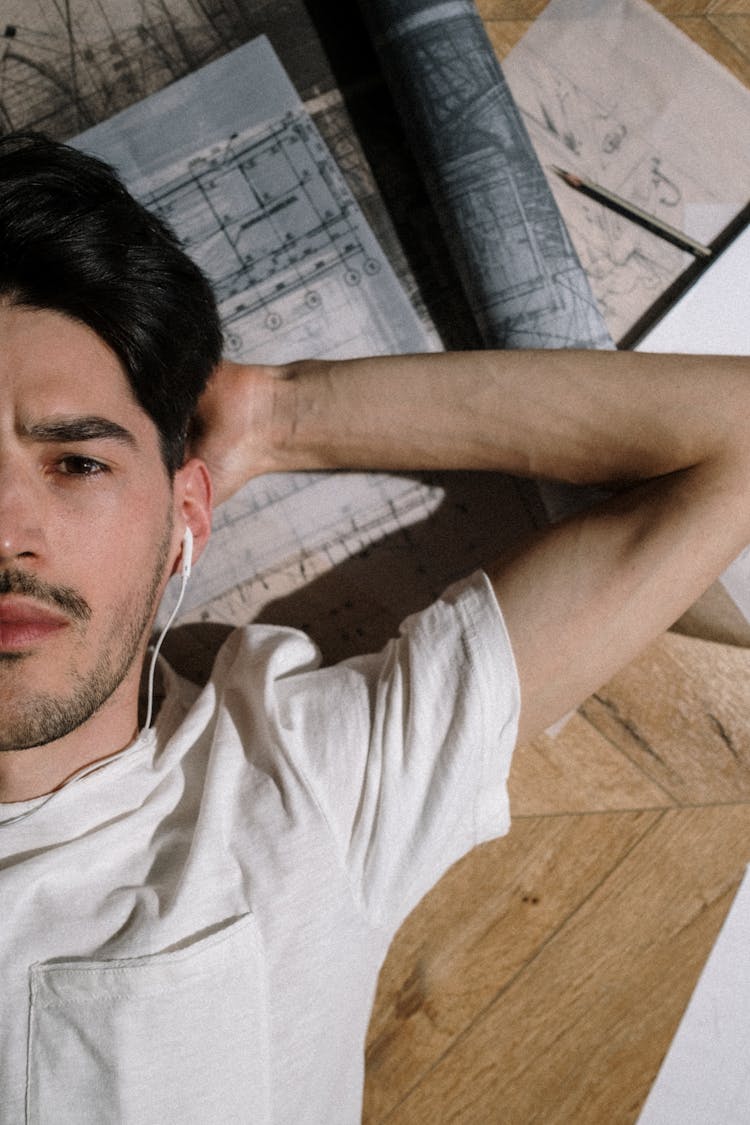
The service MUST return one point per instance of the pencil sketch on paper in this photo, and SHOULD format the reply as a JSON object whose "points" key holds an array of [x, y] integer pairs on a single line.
{"points": [[628, 267], [602, 92]]}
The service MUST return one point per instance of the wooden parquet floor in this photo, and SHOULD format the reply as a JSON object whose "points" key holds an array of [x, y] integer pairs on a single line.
{"points": [[543, 979]]}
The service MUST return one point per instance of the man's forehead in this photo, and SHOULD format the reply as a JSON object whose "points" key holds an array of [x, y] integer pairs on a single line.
{"points": [[54, 369]]}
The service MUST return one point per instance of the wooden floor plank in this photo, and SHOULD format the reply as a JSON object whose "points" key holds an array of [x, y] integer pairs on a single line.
{"points": [[504, 34], [693, 8], [681, 712], [736, 30], [729, 7], [579, 770], [476, 931], [579, 1036], [506, 10], [712, 38]]}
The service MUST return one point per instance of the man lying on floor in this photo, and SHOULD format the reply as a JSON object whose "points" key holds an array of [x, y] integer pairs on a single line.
{"points": [[195, 913]]}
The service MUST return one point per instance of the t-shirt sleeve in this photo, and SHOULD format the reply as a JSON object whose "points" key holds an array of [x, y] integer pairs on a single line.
{"points": [[407, 751]]}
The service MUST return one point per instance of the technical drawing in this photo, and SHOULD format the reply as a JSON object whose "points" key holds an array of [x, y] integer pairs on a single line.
{"points": [[271, 221], [628, 267], [66, 66], [516, 260]]}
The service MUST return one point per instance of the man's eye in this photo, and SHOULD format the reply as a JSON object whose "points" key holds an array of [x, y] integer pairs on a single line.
{"points": [[74, 465]]}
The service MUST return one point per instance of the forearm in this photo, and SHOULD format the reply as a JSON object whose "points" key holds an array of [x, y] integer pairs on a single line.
{"points": [[584, 417]]}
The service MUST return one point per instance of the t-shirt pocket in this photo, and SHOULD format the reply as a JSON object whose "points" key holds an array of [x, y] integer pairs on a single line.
{"points": [[180, 1036]]}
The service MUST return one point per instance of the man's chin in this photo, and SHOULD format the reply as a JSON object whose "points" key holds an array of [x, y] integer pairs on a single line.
{"points": [[41, 718]]}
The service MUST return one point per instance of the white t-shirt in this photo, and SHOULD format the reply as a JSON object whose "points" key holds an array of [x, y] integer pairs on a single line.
{"points": [[191, 932]]}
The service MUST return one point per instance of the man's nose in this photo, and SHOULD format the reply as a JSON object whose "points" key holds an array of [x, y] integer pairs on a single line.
{"points": [[21, 512]]}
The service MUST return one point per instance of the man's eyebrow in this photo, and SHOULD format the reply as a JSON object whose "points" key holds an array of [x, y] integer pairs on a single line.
{"points": [[85, 428]]}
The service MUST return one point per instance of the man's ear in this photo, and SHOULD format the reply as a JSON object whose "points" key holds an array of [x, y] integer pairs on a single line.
{"points": [[192, 506]]}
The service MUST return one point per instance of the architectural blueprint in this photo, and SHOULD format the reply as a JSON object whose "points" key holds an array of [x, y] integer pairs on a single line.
{"points": [[523, 280], [67, 64], [616, 93]]}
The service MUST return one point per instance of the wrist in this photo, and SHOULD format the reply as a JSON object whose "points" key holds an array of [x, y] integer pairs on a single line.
{"points": [[301, 432]]}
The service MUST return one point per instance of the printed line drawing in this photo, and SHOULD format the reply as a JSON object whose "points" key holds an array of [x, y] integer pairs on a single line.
{"points": [[68, 64], [272, 223], [518, 266]]}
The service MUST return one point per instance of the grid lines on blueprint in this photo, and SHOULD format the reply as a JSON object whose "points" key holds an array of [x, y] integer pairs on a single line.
{"points": [[271, 222]]}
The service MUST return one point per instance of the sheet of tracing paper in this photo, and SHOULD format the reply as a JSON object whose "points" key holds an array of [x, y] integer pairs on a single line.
{"points": [[616, 93], [231, 159]]}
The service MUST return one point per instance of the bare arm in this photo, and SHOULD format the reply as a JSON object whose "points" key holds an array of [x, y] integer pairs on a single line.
{"points": [[580, 600]]}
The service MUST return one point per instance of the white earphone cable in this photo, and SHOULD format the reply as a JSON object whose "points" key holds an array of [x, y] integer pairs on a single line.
{"points": [[187, 562]]}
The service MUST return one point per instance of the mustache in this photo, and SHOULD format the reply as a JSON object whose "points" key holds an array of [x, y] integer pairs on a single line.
{"points": [[61, 597]]}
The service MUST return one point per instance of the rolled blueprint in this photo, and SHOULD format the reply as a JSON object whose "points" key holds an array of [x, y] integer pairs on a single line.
{"points": [[511, 248]]}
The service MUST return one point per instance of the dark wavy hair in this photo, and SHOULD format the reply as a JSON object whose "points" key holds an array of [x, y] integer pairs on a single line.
{"points": [[73, 240]]}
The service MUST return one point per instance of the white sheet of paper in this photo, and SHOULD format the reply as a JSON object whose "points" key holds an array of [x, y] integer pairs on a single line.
{"points": [[705, 1078], [713, 316]]}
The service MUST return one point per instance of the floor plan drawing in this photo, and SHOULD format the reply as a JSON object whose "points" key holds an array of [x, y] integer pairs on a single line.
{"points": [[271, 221]]}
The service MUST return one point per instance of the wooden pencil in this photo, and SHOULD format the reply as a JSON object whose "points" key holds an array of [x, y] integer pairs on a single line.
{"points": [[631, 211]]}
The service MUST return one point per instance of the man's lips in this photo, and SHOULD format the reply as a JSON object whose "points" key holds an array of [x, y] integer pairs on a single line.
{"points": [[24, 622]]}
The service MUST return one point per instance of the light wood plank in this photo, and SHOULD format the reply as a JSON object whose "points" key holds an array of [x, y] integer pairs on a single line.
{"points": [[504, 34], [701, 7], [579, 1036], [506, 10], [730, 7], [476, 931], [578, 770], [681, 712], [735, 30], [711, 37]]}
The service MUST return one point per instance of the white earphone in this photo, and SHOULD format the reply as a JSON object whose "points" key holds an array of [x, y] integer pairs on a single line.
{"points": [[187, 553], [186, 566]]}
